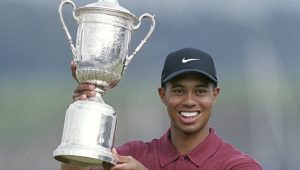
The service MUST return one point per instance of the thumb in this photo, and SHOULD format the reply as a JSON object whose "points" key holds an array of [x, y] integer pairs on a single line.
{"points": [[73, 69], [116, 155]]}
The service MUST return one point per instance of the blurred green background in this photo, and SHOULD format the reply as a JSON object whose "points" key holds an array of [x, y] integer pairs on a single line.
{"points": [[255, 46]]}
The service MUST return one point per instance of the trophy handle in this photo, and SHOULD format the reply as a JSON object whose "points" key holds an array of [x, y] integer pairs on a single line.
{"points": [[151, 17], [63, 2]]}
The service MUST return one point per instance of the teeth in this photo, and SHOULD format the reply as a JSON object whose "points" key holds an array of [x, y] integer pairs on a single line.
{"points": [[188, 114]]}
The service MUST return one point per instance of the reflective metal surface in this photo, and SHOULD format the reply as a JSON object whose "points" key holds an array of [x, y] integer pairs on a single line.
{"points": [[101, 54], [88, 134], [103, 38]]}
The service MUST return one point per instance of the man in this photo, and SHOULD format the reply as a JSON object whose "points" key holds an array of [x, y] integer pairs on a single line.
{"points": [[189, 89]]}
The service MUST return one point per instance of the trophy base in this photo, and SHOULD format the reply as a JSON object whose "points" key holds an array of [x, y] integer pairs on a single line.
{"points": [[83, 156], [88, 134]]}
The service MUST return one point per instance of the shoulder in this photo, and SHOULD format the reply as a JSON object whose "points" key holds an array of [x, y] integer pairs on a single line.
{"points": [[234, 159], [241, 162]]}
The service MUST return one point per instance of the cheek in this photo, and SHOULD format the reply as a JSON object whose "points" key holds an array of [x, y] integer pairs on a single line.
{"points": [[172, 101], [206, 103], [172, 105]]}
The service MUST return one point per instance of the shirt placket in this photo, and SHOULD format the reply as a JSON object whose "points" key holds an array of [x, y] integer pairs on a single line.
{"points": [[182, 163]]}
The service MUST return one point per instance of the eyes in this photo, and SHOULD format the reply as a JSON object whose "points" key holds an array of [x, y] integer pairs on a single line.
{"points": [[179, 91]]}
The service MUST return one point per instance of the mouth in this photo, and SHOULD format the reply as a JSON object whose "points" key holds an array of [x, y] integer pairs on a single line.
{"points": [[189, 117]]}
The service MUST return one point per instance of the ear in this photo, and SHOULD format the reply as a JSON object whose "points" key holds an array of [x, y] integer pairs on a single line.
{"points": [[162, 93], [216, 92]]}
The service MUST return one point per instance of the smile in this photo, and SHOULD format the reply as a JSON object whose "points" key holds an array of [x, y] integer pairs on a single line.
{"points": [[188, 114]]}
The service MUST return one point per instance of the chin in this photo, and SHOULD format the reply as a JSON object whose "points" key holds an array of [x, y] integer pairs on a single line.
{"points": [[190, 130]]}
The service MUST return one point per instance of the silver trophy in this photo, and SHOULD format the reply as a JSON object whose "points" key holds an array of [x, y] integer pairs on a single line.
{"points": [[101, 55]]}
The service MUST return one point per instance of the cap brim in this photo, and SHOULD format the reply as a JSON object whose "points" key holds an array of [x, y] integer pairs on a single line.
{"points": [[177, 73]]}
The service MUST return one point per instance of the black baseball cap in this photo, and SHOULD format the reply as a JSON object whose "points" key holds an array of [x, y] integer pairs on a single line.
{"points": [[188, 60]]}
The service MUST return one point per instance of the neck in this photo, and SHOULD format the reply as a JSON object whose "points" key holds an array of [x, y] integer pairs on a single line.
{"points": [[186, 142]]}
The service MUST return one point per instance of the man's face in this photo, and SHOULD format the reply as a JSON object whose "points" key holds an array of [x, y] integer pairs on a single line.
{"points": [[189, 99]]}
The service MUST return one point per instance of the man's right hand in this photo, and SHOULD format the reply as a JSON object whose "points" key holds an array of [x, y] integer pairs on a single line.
{"points": [[83, 91]]}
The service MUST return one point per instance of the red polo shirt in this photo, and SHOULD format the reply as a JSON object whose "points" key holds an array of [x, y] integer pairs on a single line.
{"points": [[212, 154]]}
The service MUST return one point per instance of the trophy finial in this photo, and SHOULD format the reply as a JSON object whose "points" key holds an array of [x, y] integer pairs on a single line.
{"points": [[115, 2], [110, 1], [108, 4]]}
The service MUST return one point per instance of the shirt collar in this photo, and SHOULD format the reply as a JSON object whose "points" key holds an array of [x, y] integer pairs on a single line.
{"points": [[167, 152]]}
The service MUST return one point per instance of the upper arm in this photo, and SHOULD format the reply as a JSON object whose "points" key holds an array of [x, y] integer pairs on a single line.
{"points": [[246, 163]]}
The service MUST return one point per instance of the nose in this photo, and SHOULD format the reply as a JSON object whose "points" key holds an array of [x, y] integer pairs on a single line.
{"points": [[189, 100]]}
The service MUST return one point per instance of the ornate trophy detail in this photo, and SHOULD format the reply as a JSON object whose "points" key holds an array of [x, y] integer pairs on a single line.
{"points": [[101, 55]]}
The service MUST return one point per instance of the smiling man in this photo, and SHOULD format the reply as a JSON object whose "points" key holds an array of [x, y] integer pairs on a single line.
{"points": [[189, 89]]}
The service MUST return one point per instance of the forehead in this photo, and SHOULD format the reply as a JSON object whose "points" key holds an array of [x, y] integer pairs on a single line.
{"points": [[190, 77]]}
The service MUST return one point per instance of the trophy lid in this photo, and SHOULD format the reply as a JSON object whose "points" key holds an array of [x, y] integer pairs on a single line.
{"points": [[108, 6]]}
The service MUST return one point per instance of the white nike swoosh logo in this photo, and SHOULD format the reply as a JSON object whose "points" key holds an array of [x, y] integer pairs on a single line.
{"points": [[188, 60]]}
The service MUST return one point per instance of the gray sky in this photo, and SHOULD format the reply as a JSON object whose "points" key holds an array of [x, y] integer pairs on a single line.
{"points": [[255, 45]]}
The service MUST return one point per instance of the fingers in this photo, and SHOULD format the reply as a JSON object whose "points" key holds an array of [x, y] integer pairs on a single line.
{"points": [[114, 152], [126, 162], [119, 158], [83, 91], [84, 87], [77, 96]]}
